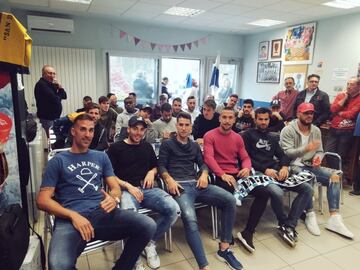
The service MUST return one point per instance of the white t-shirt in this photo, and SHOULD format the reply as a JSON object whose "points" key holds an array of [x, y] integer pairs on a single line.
{"points": [[304, 141]]}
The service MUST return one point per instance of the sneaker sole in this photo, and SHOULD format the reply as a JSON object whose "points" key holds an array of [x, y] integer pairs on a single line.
{"points": [[245, 244], [287, 240], [343, 235], [225, 261]]}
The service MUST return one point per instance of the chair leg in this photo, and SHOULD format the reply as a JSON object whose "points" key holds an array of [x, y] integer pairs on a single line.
{"points": [[168, 240], [320, 191]]}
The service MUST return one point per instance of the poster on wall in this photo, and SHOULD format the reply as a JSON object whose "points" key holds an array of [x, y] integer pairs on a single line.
{"points": [[299, 79], [299, 44], [268, 72], [263, 51], [276, 47], [9, 170]]}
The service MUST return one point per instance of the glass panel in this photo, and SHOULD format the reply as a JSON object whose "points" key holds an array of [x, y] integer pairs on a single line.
{"points": [[227, 82], [132, 74], [183, 75]]}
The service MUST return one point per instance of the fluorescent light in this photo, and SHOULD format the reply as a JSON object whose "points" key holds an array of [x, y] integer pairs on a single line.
{"points": [[265, 22], [344, 4], [87, 2], [181, 11]]}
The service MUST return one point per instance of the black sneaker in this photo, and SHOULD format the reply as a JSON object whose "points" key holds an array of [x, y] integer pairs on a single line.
{"points": [[246, 238], [294, 234], [354, 193], [303, 216], [227, 256], [285, 233]]}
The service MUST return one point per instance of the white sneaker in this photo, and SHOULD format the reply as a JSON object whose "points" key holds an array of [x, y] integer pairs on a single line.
{"points": [[139, 265], [311, 223], [152, 257], [336, 224]]}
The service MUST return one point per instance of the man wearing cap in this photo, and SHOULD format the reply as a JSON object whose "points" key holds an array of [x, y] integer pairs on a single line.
{"points": [[277, 118], [287, 98], [315, 96], [135, 164], [123, 118], [166, 125], [107, 117], [301, 141], [345, 109]]}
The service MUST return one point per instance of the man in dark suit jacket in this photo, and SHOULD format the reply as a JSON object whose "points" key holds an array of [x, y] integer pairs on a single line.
{"points": [[318, 98]]}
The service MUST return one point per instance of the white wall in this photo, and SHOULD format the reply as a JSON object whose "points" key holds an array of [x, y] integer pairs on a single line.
{"points": [[337, 45]]}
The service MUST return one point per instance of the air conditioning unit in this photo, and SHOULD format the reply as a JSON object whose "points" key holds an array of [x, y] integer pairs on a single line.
{"points": [[50, 24]]}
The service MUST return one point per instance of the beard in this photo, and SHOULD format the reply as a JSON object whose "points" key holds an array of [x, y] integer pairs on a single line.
{"points": [[303, 122]]}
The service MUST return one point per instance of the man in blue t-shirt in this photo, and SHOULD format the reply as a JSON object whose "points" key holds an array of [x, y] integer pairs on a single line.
{"points": [[72, 191]]}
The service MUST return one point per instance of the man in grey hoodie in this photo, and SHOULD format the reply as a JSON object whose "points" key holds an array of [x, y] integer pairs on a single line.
{"points": [[301, 141]]}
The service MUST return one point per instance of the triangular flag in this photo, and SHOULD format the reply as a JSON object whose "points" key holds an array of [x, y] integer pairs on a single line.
{"points": [[182, 46], [129, 38], [175, 47], [168, 47], [153, 45], [136, 40], [188, 45], [203, 40], [122, 34], [196, 43]]}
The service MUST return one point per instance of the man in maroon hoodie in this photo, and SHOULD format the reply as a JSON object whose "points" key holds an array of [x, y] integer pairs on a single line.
{"points": [[345, 109]]}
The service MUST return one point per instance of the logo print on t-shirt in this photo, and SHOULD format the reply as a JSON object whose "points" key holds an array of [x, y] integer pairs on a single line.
{"points": [[263, 144], [85, 172]]}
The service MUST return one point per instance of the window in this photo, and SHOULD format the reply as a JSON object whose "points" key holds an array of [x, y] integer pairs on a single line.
{"points": [[227, 82]]}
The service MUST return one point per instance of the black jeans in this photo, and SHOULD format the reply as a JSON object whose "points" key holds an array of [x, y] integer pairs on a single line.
{"points": [[338, 141], [258, 206]]}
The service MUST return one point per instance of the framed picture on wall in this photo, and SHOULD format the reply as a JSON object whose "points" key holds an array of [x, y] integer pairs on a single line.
{"points": [[268, 72], [276, 47], [299, 44], [263, 51]]}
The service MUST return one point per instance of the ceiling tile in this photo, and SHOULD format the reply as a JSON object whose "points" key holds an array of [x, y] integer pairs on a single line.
{"points": [[163, 2], [169, 18], [40, 3], [232, 9], [145, 7], [112, 3], [54, 4], [254, 3], [288, 6], [200, 4]]}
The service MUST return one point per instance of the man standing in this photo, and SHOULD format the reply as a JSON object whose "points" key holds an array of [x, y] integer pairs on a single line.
{"points": [[166, 125], [245, 118], [113, 103], [71, 190], [164, 89], [301, 141], [345, 109], [232, 103], [176, 166], [315, 96], [287, 98], [208, 120], [48, 95], [123, 118], [107, 117], [262, 148], [135, 164], [191, 108], [176, 106]]}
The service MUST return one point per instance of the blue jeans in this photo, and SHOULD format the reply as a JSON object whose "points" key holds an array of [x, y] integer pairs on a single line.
{"points": [[298, 206], [158, 200], [67, 244], [212, 195], [323, 176]]}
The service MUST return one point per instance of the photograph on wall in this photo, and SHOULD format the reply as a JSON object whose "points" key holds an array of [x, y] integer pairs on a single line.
{"points": [[299, 44], [299, 79], [276, 47], [268, 72], [263, 50]]}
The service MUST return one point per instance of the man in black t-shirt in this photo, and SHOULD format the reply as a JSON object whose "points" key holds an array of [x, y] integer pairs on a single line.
{"points": [[135, 164]]}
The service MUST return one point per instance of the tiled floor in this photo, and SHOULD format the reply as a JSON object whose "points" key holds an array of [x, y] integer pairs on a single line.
{"points": [[326, 252]]}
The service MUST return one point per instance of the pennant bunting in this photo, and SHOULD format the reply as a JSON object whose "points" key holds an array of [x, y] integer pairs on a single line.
{"points": [[182, 46], [175, 47], [189, 45], [122, 34], [136, 40], [196, 43], [153, 45]]}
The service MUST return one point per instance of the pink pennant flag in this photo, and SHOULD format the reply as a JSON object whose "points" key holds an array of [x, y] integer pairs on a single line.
{"points": [[182, 46], [153, 45], [136, 40], [122, 34], [143, 44], [196, 43], [161, 47], [204, 40], [188, 45], [175, 47]]}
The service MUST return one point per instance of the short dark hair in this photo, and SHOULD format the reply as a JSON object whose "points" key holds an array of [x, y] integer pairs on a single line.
{"points": [[81, 117], [190, 97], [210, 103], [184, 115], [132, 94], [234, 95], [176, 99], [87, 98], [262, 110], [128, 98], [290, 78], [110, 95], [92, 106], [228, 109], [165, 78], [249, 101], [166, 107], [163, 96], [313, 75], [103, 99]]}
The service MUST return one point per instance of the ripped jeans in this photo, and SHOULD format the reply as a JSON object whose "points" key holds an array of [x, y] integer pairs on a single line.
{"points": [[323, 175], [157, 200]]}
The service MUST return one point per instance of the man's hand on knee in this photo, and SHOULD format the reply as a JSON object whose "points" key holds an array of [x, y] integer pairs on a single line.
{"points": [[83, 225]]}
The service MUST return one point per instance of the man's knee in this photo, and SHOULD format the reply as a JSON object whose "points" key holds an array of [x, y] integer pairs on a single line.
{"points": [[334, 178], [58, 262]]}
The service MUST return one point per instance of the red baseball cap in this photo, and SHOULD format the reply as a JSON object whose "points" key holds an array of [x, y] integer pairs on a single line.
{"points": [[305, 107]]}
